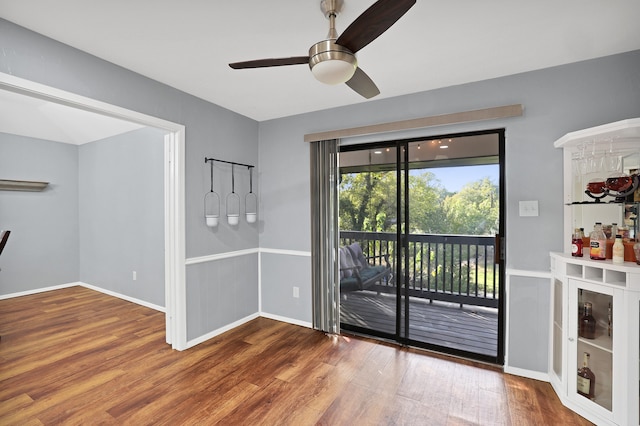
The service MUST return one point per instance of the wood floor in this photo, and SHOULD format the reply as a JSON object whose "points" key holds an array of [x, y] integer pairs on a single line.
{"points": [[471, 329], [78, 357]]}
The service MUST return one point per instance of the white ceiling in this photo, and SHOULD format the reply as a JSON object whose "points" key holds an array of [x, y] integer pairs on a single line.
{"points": [[188, 44], [27, 116]]}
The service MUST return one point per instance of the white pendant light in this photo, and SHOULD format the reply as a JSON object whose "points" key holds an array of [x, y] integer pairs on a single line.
{"points": [[251, 201], [211, 204], [233, 202]]}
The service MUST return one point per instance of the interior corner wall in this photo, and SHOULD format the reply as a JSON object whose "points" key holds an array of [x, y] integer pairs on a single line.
{"points": [[121, 199], [556, 101], [42, 250]]}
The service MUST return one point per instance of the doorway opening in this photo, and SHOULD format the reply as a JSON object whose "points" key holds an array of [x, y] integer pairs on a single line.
{"points": [[174, 198], [421, 221]]}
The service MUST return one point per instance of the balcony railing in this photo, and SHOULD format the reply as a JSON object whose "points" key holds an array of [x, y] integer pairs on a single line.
{"points": [[452, 268]]}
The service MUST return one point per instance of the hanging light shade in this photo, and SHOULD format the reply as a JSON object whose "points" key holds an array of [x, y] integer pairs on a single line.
{"points": [[251, 201], [233, 202], [211, 204], [331, 63], [211, 209]]}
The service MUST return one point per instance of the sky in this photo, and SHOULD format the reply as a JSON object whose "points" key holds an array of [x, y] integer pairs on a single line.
{"points": [[454, 178]]}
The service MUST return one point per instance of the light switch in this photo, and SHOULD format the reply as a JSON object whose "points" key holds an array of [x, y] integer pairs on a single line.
{"points": [[529, 208]]}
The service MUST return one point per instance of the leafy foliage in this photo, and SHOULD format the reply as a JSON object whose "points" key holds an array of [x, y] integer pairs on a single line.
{"points": [[368, 202], [473, 210]]}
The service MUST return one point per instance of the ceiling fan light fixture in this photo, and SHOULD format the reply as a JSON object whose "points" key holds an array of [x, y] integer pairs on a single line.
{"points": [[334, 71], [333, 60], [331, 63]]}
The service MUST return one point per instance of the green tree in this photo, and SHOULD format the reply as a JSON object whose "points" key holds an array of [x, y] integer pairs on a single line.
{"points": [[367, 201], [473, 210], [426, 194]]}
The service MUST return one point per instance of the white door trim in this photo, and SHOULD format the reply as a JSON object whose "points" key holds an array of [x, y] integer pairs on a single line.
{"points": [[174, 179]]}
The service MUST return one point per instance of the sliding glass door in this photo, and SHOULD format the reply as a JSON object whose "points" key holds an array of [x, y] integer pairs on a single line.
{"points": [[369, 240], [426, 215]]}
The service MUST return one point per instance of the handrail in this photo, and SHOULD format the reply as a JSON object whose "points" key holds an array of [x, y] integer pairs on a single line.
{"points": [[454, 268]]}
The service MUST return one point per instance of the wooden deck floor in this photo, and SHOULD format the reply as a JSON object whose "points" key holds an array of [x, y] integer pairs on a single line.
{"points": [[471, 329]]}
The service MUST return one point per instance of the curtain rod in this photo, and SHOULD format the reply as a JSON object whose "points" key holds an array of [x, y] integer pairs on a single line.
{"points": [[206, 160], [417, 123]]}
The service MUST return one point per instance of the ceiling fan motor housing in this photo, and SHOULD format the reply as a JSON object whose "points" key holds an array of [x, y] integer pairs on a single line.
{"points": [[331, 63], [331, 7]]}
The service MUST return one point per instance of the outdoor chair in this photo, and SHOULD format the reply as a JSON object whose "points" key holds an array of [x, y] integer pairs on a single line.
{"points": [[356, 271]]}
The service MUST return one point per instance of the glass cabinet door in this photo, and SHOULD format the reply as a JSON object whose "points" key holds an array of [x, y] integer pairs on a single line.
{"points": [[594, 346]]}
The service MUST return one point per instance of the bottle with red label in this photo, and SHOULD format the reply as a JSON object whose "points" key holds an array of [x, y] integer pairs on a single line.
{"points": [[576, 243]]}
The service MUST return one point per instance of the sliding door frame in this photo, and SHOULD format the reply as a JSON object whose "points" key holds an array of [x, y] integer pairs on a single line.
{"points": [[403, 201]]}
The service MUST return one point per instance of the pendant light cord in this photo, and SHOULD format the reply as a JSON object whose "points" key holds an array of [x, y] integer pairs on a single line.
{"points": [[211, 164]]}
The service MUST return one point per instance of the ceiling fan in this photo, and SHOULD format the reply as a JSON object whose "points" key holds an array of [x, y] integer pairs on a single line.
{"points": [[333, 61]]}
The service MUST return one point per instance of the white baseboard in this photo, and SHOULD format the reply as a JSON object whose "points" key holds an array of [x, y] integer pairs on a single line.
{"points": [[124, 297], [89, 286], [530, 374], [214, 333], [287, 320], [38, 290]]}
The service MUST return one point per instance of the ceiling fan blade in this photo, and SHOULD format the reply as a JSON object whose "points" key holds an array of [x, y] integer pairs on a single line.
{"points": [[373, 22], [363, 85], [272, 62]]}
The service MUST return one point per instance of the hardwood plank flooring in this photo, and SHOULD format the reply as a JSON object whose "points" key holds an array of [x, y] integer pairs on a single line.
{"points": [[78, 357], [471, 329]]}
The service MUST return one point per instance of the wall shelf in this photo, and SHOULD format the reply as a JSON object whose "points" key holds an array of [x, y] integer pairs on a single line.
{"points": [[22, 185]]}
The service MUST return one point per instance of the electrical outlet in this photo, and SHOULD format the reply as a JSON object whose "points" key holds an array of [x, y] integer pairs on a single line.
{"points": [[296, 292], [135, 275]]}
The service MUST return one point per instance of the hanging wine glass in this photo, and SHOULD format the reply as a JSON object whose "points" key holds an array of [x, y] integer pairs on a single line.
{"points": [[593, 163], [575, 165], [615, 159], [251, 201], [583, 159], [211, 204], [233, 202]]}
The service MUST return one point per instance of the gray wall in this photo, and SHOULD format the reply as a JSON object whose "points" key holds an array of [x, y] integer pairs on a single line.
{"points": [[556, 101], [529, 323], [211, 131], [42, 250], [121, 198], [233, 293], [280, 274]]}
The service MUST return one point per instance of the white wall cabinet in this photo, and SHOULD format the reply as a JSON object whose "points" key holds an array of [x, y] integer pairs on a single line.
{"points": [[612, 289]]}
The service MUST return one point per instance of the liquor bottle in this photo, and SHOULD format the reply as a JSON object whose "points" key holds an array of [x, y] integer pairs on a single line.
{"points": [[598, 243], [618, 250], [576, 243], [586, 379], [587, 323]]}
